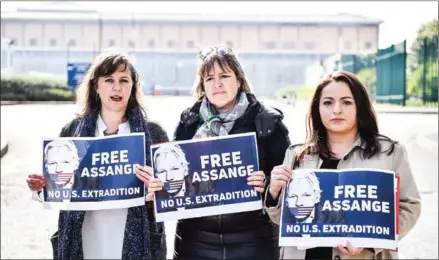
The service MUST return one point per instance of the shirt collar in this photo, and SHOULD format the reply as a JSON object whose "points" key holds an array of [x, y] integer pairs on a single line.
{"points": [[101, 126]]}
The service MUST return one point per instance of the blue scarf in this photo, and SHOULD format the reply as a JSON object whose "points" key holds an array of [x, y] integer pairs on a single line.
{"points": [[136, 243]]}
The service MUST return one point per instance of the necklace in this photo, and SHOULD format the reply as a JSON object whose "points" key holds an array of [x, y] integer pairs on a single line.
{"points": [[113, 133]]}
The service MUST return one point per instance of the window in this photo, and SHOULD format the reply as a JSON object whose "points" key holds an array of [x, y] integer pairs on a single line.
{"points": [[33, 42], [52, 42], [310, 45], [288, 45], [72, 43], [111, 43], [190, 44], [151, 43], [171, 43], [368, 45], [131, 44], [269, 45]]}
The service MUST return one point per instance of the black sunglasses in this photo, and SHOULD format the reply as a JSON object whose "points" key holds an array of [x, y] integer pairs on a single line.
{"points": [[221, 50]]}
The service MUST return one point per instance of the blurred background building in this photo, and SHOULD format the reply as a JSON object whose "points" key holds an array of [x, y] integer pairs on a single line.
{"points": [[277, 50]]}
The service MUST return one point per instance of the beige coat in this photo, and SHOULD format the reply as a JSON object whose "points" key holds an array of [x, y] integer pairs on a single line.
{"points": [[410, 200]]}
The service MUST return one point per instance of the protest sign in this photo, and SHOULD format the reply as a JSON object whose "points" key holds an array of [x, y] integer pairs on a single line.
{"points": [[93, 173], [205, 176], [327, 208]]}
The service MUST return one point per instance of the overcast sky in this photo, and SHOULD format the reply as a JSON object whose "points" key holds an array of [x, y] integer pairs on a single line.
{"points": [[400, 19]]}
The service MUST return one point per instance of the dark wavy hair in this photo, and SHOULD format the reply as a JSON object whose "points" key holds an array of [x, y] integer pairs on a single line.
{"points": [[316, 134], [106, 64]]}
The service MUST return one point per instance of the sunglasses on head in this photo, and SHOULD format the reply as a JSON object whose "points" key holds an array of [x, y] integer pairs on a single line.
{"points": [[221, 50]]}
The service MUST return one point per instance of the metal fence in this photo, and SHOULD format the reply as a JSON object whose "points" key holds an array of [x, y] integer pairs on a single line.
{"points": [[385, 75], [426, 73], [390, 66]]}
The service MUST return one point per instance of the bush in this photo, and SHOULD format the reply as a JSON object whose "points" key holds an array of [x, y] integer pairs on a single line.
{"points": [[368, 77], [21, 87], [416, 79]]}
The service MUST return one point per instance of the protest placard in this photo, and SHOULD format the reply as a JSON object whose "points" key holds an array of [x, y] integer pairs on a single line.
{"points": [[93, 173], [327, 208], [205, 176]]}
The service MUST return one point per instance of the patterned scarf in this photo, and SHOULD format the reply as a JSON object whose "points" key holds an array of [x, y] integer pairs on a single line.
{"points": [[219, 124], [136, 243]]}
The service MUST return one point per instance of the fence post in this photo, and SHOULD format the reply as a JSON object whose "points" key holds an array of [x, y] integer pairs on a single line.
{"points": [[404, 93], [424, 70]]}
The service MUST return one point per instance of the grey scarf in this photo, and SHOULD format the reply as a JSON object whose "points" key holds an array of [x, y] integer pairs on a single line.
{"points": [[219, 124]]}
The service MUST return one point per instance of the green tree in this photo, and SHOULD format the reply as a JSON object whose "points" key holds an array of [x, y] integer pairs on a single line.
{"points": [[427, 31], [368, 77], [416, 80]]}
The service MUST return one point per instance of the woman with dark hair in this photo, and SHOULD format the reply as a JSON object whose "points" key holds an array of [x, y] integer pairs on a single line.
{"points": [[226, 106], [110, 99], [342, 132]]}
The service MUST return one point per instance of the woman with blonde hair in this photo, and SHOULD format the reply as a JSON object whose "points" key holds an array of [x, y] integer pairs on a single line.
{"points": [[111, 103]]}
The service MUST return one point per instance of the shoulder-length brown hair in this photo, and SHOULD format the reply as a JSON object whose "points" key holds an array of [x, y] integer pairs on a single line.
{"points": [[316, 141], [106, 64], [226, 59]]}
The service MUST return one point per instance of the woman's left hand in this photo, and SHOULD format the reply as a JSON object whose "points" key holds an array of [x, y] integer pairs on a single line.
{"points": [[349, 249], [257, 179]]}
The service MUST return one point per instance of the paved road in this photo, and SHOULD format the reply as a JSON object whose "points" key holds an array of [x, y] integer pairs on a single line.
{"points": [[26, 227]]}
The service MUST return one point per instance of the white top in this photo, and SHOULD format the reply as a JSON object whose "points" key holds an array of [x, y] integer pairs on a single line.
{"points": [[103, 230]]}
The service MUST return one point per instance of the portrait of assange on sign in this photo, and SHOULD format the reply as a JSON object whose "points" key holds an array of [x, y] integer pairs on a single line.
{"points": [[330, 207], [204, 177], [93, 173]]}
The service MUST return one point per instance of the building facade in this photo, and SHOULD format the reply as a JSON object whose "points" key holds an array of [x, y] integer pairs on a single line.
{"points": [[275, 50]]}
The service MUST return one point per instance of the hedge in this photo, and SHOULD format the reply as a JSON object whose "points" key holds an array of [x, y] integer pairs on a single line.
{"points": [[22, 87]]}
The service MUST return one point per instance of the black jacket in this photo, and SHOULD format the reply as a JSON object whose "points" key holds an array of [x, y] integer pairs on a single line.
{"points": [[227, 232]]}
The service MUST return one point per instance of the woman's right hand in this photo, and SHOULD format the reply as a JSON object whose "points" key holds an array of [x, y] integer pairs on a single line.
{"points": [[35, 182], [155, 184], [279, 178]]}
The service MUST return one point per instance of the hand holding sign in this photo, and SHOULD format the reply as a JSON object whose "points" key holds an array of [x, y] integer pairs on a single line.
{"points": [[257, 179], [279, 178], [155, 184], [144, 173], [349, 249], [35, 182]]}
